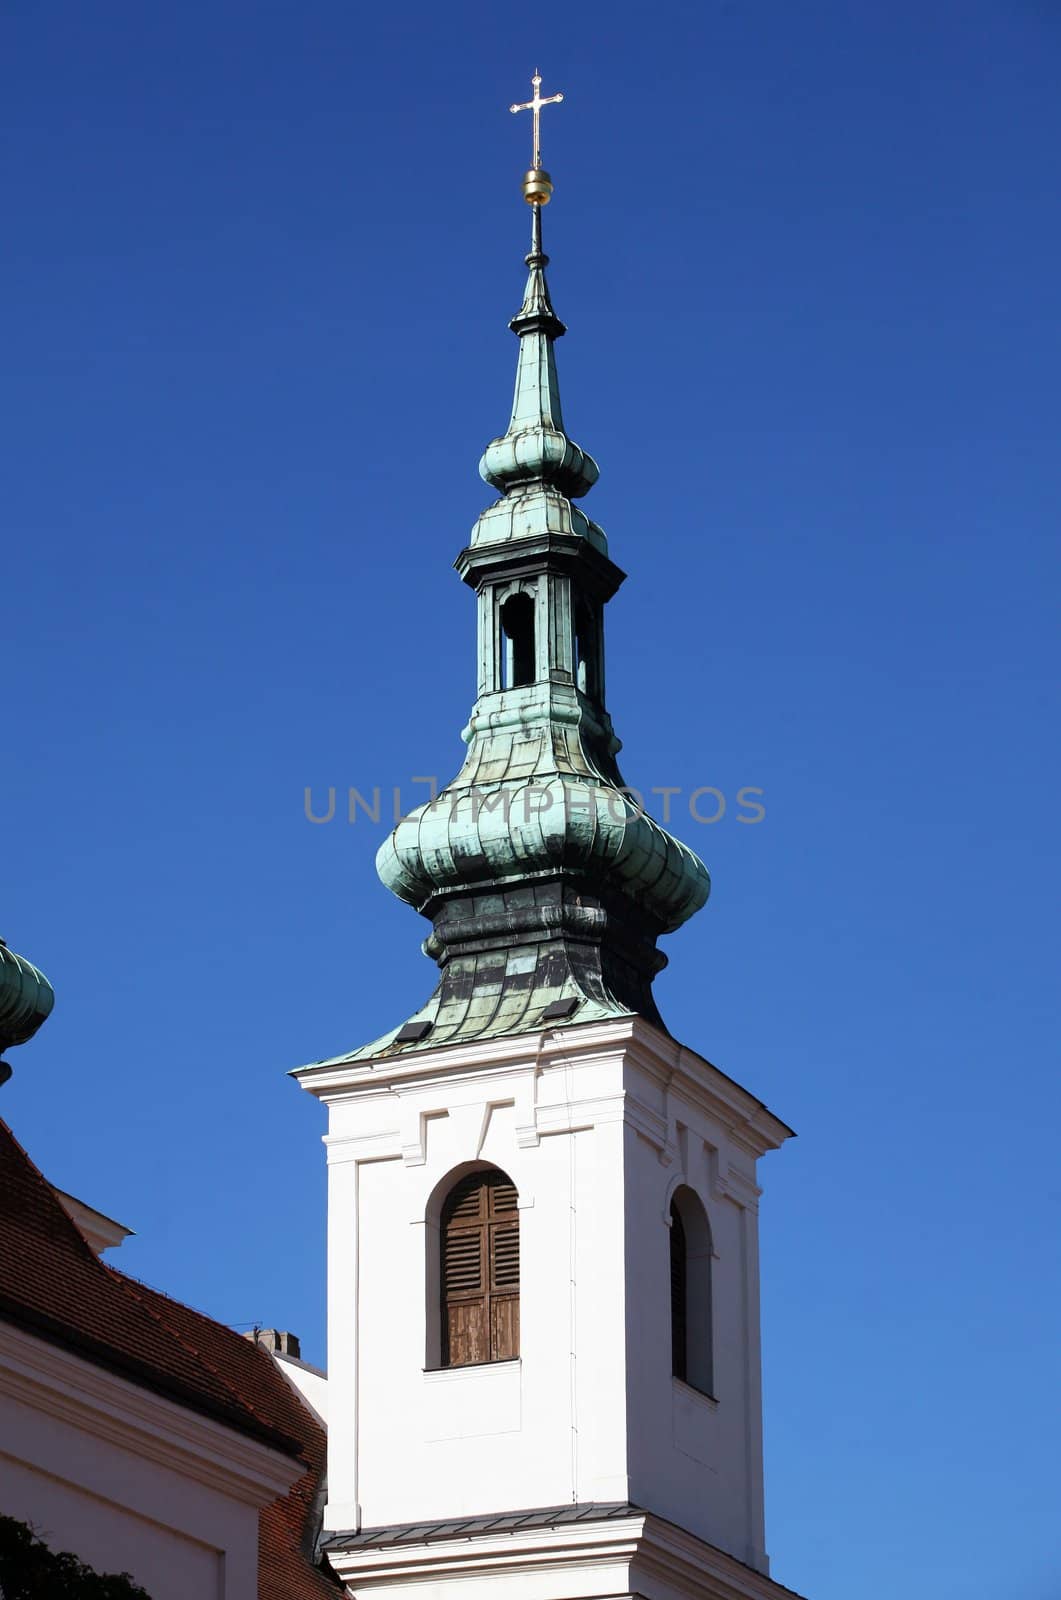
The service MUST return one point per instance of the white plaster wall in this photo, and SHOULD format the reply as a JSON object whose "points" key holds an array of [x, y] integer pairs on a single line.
{"points": [[436, 1444], [311, 1384], [130, 1481], [694, 1459], [595, 1140], [120, 1513]]}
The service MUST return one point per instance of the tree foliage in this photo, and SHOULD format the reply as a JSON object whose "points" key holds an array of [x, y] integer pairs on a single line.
{"points": [[30, 1571]]}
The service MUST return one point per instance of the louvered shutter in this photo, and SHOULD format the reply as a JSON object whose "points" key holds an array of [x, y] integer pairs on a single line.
{"points": [[480, 1271], [504, 1269]]}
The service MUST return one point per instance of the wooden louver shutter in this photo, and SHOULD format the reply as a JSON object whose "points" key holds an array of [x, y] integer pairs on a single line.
{"points": [[480, 1271], [678, 1296]]}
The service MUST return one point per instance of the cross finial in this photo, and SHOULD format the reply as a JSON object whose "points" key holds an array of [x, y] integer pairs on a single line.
{"points": [[535, 106]]}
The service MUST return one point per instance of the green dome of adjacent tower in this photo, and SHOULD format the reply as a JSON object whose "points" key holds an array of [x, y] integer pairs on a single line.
{"points": [[546, 885], [26, 1000]]}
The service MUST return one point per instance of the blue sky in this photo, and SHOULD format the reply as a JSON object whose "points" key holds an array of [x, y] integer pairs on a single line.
{"points": [[259, 260]]}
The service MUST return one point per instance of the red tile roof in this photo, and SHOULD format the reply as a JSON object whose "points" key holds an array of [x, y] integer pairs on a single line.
{"points": [[53, 1285]]}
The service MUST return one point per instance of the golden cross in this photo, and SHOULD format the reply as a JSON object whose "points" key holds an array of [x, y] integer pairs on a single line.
{"points": [[535, 106]]}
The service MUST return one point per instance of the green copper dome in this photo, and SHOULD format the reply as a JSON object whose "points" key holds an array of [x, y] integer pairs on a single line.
{"points": [[526, 829], [26, 998]]}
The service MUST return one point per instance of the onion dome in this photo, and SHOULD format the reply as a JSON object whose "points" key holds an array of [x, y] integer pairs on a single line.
{"points": [[26, 1000]]}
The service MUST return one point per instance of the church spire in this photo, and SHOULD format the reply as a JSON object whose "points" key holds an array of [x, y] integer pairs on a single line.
{"points": [[545, 882], [535, 448]]}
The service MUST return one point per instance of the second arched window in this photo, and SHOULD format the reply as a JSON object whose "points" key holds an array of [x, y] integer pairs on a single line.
{"points": [[480, 1270], [692, 1358]]}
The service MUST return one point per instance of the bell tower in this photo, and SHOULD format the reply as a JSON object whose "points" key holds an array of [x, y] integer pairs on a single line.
{"points": [[543, 1320]]}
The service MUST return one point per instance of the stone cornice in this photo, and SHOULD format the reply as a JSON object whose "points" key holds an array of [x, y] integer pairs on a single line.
{"points": [[97, 1402], [747, 1120], [541, 551], [644, 1554]]}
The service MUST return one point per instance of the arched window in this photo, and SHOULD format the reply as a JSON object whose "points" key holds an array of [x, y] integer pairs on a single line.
{"points": [[586, 651], [480, 1270], [517, 626], [679, 1295], [690, 1292]]}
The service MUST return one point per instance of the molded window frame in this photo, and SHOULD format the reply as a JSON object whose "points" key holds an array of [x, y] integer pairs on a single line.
{"points": [[436, 1353], [691, 1292]]}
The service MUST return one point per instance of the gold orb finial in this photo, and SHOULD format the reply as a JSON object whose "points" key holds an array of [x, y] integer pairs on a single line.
{"points": [[537, 187]]}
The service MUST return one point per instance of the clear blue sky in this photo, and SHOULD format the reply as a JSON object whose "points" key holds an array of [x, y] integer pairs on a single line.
{"points": [[258, 264]]}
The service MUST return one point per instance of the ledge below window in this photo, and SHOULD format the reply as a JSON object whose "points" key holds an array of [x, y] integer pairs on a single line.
{"points": [[439, 1373], [699, 1394]]}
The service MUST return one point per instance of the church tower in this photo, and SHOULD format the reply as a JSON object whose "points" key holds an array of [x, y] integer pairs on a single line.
{"points": [[543, 1318]]}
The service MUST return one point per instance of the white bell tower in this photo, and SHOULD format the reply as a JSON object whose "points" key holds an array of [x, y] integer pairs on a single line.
{"points": [[584, 1431], [543, 1270]]}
